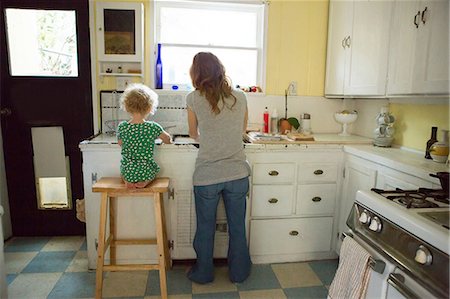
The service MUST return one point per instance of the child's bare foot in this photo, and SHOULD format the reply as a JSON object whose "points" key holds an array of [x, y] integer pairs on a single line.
{"points": [[130, 185], [142, 184]]}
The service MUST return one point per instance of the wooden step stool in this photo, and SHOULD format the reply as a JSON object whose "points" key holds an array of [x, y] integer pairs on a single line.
{"points": [[112, 188]]}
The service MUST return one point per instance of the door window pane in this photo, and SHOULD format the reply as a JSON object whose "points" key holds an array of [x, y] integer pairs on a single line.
{"points": [[42, 42]]}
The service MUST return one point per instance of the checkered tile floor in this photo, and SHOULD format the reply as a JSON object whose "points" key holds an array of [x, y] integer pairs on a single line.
{"points": [[56, 267]]}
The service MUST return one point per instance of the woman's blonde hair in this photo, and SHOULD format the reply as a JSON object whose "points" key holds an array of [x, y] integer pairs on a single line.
{"points": [[208, 77], [139, 98]]}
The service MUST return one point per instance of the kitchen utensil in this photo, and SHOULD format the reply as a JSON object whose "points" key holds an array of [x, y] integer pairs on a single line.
{"points": [[384, 133], [443, 177]]}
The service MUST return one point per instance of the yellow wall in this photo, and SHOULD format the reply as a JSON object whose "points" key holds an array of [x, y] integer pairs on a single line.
{"points": [[296, 46], [413, 123]]}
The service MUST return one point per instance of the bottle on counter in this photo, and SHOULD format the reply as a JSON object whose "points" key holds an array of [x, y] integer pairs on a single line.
{"points": [[158, 70], [430, 142], [274, 122], [266, 121], [439, 150]]}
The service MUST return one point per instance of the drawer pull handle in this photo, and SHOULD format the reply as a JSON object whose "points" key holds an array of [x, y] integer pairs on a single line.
{"points": [[316, 199], [273, 200], [273, 173], [293, 233], [318, 172]]}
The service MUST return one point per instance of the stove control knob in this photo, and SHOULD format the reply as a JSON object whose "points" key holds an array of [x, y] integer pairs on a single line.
{"points": [[364, 218], [375, 224], [423, 256]]}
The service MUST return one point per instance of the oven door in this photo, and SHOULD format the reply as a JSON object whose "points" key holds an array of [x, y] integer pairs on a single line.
{"points": [[380, 269], [401, 285]]}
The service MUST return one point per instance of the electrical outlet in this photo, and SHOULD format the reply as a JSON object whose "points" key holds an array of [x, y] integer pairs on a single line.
{"points": [[122, 82], [293, 88]]}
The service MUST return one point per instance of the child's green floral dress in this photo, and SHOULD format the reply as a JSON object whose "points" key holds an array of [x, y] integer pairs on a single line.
{"points": [[138, 145]]}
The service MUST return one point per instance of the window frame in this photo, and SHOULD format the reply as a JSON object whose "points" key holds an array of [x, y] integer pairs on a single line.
{"points": [[259, 7]]}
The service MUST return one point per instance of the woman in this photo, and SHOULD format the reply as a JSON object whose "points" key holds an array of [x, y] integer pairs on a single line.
{"points": [[217, 117]]}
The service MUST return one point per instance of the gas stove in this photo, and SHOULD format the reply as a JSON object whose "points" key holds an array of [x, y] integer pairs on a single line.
{"points": [[424, 199], [420, 198], [411, 228]]}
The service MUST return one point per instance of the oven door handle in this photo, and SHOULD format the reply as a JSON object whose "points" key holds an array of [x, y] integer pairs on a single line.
{"points": [[398, 282]]}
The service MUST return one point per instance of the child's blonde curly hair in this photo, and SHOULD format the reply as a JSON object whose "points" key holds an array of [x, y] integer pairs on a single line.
{"points": [[139, 98]]}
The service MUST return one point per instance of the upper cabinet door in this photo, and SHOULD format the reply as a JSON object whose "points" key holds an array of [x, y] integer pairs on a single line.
{"points": [[119, 31], [405, 22], [367, 68], [431, 75], [339, 31], [419, 51], [358, 36]]}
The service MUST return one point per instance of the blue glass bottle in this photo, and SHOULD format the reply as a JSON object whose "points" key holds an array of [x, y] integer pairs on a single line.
{"points": [[158, 70]]}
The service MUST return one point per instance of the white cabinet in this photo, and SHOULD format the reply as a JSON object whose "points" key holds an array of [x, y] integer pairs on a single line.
{"points": [[357, 56], [120, 29], [178, 163], [389, 179], [359, 174], [419, 48], [277, 237], [293, 201]]}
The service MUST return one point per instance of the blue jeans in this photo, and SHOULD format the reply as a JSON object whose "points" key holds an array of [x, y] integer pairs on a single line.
{"points": [[206, 201]]}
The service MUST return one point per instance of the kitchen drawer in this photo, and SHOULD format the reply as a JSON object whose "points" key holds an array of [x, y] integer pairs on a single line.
{"points": [[316, 199], [273, 173], [290, 236], [270, 200], [317, 172]]}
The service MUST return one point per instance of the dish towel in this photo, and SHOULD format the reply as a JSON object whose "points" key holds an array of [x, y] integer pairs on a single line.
{"points": [[353, 273]]}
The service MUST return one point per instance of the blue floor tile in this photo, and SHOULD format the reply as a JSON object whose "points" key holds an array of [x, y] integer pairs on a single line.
{"points": [[24, 244], [74, 285], [261, 277], [153, 284], [177, 283], [224, 295], [84, 245], [306, 293], [10, 278], [325, 270], [50, 261]]}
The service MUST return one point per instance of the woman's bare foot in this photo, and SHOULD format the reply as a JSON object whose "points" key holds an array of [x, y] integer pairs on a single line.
{"points": [[142, 184]]}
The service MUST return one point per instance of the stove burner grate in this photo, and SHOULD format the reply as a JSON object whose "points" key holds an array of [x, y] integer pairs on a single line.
{"points": [[414, 198]]}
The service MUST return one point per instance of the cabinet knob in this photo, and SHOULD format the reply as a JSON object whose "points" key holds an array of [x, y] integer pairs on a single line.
{"points": [[348, 41], [273, 173], [316, 199], [273, 200], [424, 15], [293, 233], [318, 172], [415, 19]]}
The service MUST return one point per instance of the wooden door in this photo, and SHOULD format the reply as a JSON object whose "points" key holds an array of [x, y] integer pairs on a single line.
{"points": [[29, 101]]}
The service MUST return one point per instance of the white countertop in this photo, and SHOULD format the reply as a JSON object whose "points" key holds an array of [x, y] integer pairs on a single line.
{"points": [[410, 162], [110, 141]]}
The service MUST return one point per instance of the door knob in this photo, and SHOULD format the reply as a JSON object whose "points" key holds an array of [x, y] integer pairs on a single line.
{"points": [[5, 112]]}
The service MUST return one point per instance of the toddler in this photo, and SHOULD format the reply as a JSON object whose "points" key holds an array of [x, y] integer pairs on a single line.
{"points": [[137, 136]]}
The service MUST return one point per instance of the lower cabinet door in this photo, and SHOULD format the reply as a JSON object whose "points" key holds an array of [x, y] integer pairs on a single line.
{"points": [[290, 236], [316, 199], [271, 200]]}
